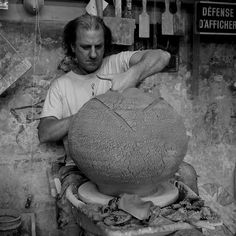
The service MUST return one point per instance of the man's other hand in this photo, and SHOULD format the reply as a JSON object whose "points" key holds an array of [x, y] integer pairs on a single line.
{"points": [[120, 82]]}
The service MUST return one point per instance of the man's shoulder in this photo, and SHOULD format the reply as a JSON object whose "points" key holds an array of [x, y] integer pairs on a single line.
{"points": [[119, 56], [67, 76], [63, 79], [118, 62]]}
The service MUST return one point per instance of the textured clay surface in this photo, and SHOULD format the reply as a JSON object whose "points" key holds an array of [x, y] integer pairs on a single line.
{"points": [[127, 139]]}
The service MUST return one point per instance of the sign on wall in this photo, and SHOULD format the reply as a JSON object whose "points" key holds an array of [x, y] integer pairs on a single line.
{"points": [[4, 4], [215, 18]]}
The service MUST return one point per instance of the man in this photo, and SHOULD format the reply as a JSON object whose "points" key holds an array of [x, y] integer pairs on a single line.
{"points": [[85, 40]]}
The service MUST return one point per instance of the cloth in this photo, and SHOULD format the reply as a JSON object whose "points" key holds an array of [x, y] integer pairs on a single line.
{"points": [[71, 91], [135, 206]]}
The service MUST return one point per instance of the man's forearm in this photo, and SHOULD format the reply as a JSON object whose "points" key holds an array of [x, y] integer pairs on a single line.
{"points": [[149, 63], [141, 65], [51, 129]]}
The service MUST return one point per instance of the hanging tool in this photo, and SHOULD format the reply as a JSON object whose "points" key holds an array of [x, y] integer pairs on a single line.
{"points": [[234, 182], [128, 9], [20, 67], [118, 8], [167, 20], [155, 26], [144, 22], [33, 6], [99, 8], [122, 29], [96, 7], [178, 20]]}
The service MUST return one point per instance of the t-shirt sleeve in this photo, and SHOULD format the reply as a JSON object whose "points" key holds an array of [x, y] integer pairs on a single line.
{"points": [[122, 60], [53, 102], [114, 64]]}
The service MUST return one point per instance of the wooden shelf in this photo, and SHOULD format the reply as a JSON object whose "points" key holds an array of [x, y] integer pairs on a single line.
{"points": [[63, 11], [110, 1]]}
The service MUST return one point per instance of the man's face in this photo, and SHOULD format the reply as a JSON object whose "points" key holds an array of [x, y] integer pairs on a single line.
{"points": [[89, 49]]}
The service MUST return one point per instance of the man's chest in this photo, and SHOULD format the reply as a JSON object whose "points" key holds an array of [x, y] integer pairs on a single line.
{"points": [[77, 93]]}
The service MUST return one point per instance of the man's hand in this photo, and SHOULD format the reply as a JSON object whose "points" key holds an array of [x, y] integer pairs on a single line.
{"points": [[120, 82], [142, 64]]}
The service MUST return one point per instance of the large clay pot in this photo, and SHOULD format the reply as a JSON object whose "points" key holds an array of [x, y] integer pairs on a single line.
{"points": [[127, 142]]}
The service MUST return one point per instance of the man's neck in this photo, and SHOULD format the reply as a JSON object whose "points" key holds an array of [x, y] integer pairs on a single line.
{"points": [[79, 71], [85, 75]]}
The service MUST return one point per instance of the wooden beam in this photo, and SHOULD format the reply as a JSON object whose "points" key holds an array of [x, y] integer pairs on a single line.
{"points": [[134, 2], [62, 12], [49, 13]]}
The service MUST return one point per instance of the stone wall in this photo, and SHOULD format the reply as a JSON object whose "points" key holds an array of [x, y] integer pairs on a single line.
{"points": [[23, 161], [210, 119]]}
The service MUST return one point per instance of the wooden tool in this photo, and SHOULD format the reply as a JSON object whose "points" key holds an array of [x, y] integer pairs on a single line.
{"points": [[178, 20], [155, 26], [234, 176], [18, 67], [52, 187], [144, 22], [33, 6], [96, 7], [122, 29], [118, 10], [167, 20], [128, 10]]}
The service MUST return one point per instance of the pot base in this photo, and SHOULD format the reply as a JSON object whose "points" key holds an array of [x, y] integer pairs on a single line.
{"points": [[117, 189], [166, 194]]}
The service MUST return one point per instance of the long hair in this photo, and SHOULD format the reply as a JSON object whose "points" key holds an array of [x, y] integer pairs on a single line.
{"points": [[88, 22]]}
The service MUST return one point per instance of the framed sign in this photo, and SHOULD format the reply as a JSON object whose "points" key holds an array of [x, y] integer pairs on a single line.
{"points": [[4, 4], [215, 18]]}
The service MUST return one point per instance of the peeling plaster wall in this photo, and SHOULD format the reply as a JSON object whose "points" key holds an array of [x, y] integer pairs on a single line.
{"points": [[23, 161], [209, 120]]}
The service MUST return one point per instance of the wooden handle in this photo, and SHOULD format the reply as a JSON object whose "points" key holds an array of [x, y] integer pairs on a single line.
{"points": [[178, 5], [145, 6], [129, 5], [235, 182], [52, 187], [99, 6], [118, 8], [167, 5]]}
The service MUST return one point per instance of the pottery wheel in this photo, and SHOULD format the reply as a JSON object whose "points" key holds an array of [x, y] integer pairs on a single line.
{"points": [[166, 194]]}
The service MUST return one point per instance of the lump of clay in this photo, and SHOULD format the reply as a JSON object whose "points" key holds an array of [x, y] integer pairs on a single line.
{"points": [[127, 142]]}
